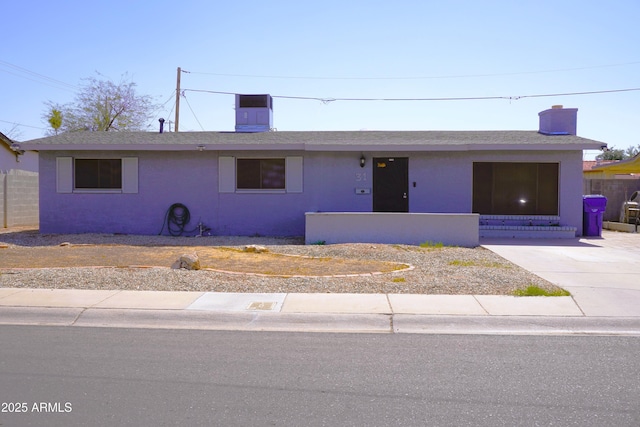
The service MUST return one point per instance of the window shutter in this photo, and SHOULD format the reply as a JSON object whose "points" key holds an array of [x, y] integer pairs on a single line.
{"points": [[294, 174], [64, 174], [130, 175], [226, 174]]}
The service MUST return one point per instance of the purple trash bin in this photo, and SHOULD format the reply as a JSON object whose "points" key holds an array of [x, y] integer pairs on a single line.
{"points": [[593, 209]]}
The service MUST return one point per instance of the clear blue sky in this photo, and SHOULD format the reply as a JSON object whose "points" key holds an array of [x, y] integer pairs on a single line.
{"points": [[334, 49]]}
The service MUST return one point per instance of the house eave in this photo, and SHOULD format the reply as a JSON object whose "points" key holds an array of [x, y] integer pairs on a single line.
{"points": [[389, 141], [312, 147]]}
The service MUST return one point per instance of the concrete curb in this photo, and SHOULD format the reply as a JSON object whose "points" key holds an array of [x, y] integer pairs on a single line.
{"points": [[319, 323]]}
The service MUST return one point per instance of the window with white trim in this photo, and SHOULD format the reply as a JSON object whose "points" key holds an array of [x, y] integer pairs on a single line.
{"points": [[260, 174], [111, 175], [104, 174]]}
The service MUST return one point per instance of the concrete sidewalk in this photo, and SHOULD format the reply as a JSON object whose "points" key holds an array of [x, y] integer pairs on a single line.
{"points": [[469, 305], [351, 313], [601, 274]]}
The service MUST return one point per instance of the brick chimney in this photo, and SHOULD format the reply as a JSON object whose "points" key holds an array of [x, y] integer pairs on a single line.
{"points": [[558, 121]]}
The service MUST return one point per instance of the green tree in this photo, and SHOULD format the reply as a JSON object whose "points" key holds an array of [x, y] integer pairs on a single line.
{"points": [[618, 153], [632, 151], [102, 105], [611, 154], [55, 119]]}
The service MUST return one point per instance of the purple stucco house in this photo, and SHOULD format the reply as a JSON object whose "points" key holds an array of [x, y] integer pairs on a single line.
{"points": [[251, 182]]}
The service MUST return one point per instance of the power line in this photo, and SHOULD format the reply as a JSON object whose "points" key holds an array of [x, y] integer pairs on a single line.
{"points": [[452, 76], [21, 125], [466, 98], [161, 106], [192, 112], [36, 77]]}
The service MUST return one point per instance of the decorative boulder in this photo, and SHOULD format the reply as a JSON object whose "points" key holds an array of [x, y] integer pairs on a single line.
{"points": [[188, 262], [255, 249]]}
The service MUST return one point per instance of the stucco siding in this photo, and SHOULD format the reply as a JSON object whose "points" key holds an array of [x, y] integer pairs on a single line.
{"points": [[443, 184], [26, 162], [163, 179]]}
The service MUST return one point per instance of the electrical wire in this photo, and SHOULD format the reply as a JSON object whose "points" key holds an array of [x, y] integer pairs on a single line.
{"points": [[467, 98], [32, 75], [21, 125], [192, 112], [454, 76], [161, 106]]}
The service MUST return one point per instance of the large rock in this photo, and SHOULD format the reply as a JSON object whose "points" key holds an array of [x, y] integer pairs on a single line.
{"points": [[255, 248], [188, 262]]}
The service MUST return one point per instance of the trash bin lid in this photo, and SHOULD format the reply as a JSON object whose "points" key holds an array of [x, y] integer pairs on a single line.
{"points": [[594, 203]]}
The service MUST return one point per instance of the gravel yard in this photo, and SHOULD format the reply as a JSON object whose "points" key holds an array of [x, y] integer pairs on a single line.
{"points": [[448, 270]]}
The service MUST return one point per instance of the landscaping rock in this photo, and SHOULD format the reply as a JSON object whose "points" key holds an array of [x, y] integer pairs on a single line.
{"points": [[255, 249], [187, 262]]}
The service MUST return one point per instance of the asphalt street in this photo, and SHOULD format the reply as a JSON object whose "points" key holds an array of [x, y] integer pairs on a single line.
{"points": [[119, 376]]}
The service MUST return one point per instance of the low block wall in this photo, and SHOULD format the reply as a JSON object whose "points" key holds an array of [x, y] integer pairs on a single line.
{"points": [[402, 228], [19, 199]]}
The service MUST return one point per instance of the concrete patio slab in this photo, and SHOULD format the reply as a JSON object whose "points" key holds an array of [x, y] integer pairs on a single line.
{"points": [[217, 301], [435, 304], [161, 300], [336, 303], [502, 305], [56, 298]]}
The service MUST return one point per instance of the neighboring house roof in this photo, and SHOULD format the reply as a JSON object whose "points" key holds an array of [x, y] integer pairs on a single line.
{"points": [[314, 141], [587, 165], [628, 166]]}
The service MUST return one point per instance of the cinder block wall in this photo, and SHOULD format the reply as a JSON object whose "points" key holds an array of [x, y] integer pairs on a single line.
{"points": [[19, 204], [615, 190]]}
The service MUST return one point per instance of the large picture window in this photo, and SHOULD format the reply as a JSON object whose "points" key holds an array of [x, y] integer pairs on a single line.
{"points": [[98, 174], [260, 174], [515, 188]]}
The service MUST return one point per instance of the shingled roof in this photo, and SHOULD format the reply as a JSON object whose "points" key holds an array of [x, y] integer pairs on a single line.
{"points": [[314, 141]]}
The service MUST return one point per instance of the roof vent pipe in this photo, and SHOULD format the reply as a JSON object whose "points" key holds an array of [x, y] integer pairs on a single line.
{"points": [[161, 120]]}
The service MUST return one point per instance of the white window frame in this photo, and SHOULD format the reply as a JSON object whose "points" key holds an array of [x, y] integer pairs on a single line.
{"points": [[65, 177], [294, 175]]}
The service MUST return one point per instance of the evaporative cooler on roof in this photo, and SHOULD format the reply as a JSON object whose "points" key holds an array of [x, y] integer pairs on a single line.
{"points": [[254, 113]]}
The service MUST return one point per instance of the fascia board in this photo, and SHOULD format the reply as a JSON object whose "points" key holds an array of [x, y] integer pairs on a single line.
{"points": [[161, 147]]}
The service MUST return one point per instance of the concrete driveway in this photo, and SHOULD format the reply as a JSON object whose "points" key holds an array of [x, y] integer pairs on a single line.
{"points": [[602, 274]]}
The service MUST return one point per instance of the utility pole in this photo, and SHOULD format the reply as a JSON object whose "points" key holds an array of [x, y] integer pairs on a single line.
{"points": [[178, 99]]}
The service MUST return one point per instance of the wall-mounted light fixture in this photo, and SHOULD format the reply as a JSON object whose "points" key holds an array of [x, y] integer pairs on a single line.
{"points": [[17, 150], [362, 160], [200, 147]]}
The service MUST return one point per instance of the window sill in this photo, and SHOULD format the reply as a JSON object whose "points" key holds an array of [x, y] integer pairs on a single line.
{"points": [[259, 191], [97, 191]]}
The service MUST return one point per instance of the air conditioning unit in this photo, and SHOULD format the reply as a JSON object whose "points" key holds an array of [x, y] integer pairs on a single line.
{"points": [[254, 113]]}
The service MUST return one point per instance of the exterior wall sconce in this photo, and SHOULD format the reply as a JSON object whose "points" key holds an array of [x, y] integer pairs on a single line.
{"points": [[200, 147], [17, 150], [362, 161]]}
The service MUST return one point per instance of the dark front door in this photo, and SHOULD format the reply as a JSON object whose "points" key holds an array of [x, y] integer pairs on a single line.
{"points": [[391, 184]]}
